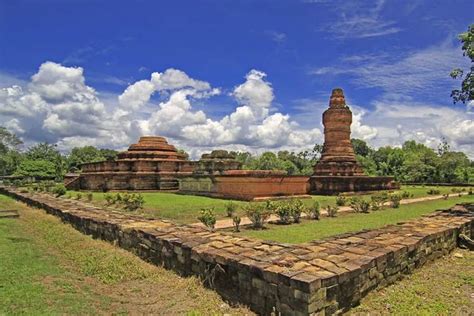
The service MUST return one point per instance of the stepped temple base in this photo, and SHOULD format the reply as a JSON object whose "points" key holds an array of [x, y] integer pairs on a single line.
{"points": [[246, 185], [331, 185]]}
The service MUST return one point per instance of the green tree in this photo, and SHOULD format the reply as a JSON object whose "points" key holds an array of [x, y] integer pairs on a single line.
{"points": [[453, 167], [360, 147], [80, 155], [36, 168], [10, 157], [48, 152], [8, 140], [466, 92]]}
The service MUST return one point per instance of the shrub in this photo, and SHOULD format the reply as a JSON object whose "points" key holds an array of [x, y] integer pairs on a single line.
{"points": [[109, 199], [68, 195], [78, 196], [340, 200], [395, 200], [24, 190], [236, 222], [89, 196], [117, 198], [16, 183], [433, 192], [360, 205], [378, 201], [133, 202], [470, 192], [314, 211], [455, 190], [59, 190], [283, 211], [208, 218], [296, 208], [332, 210], [257, 214], [406, 195], [230, 208]]}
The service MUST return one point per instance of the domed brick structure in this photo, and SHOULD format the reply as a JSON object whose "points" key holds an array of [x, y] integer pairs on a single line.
{"points": [[150, 164], [338, 170]]}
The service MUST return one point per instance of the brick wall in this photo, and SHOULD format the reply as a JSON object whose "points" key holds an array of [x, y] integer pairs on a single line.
{"points": [[319, 277]]}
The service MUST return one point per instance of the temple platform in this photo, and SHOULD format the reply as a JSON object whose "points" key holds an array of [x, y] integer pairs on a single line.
{"points": [[332, 185], [246, 185]]}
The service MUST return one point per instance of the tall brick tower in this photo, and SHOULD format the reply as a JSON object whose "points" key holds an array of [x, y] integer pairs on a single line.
{"points": [[338, 157], [338, 170]]}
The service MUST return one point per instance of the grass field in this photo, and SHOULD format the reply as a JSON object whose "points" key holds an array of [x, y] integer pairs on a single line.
{"points": [[48, 268], [443, 287], [350, 222], [186, 208]]}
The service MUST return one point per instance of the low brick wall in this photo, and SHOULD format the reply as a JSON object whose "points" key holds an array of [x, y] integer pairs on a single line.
{"points": [[324, 277]]}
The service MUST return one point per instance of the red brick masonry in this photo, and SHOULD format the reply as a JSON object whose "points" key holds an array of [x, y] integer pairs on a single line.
{"points": [[246, 185], [319, 277]]}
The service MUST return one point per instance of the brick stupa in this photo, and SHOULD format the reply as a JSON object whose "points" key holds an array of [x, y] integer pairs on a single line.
{"points": [[154, 148], [150, 164], [338, 157], [338, 170]]}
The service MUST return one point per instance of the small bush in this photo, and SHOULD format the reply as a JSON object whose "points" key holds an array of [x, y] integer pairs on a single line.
{"points": [[406, 195], [296, 209], [133, 202], [78, 196], [236, 222], [59, 190], [455, 190], [314, 211], [89, 196], [117, 198], [360, 205], [341, 200], [24, 190], [332, 210], [283, 211], [231, 208], [395, 200], [257, 213], [470, 192], [208, 218], [68, 195], [433, 192], [16, 183], [378, 201], [109, 199]]}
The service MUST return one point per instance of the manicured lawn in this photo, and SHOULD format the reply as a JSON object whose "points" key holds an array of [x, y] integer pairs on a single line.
{"points": [[350, 222], [48, 268], [186, 208], [443, 287]]}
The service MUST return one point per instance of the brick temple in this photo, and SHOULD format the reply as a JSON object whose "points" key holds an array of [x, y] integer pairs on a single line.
{"points": [[338, 170], [150, 164], [154, 164]]}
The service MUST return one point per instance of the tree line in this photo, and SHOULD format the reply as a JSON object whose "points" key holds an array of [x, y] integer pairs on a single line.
{"points": [[412, 162]]}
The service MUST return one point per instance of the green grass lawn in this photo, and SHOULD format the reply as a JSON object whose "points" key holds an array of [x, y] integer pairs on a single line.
{"points": [[443, 287], [185, 208], [350, 222], [48, 268]]}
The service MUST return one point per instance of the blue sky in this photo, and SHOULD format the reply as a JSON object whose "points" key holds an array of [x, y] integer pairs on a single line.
{"points": [[249, 75]]}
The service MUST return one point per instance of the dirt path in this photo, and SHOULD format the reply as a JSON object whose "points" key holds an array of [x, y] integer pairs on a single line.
{"points": [[227, 223]]}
